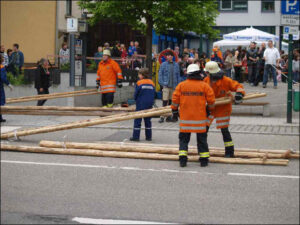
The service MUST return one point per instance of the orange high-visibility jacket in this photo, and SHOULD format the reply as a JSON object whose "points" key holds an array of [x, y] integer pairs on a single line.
{"points": [[191, 96], [108, 73], [223, 88]]}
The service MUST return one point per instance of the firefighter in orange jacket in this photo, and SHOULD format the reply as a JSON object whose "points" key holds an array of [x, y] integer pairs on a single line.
{"points": [[223, 86], [193, 97], [109, 75]]}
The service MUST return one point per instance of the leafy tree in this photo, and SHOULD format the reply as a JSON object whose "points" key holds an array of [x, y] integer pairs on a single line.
{"points": [[160, 15]]}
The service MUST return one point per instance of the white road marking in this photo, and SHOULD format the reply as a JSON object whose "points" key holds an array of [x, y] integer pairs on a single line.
{"points": [[5, 129], [262, 175], [146, 169], [98, 166], [106, 221]]}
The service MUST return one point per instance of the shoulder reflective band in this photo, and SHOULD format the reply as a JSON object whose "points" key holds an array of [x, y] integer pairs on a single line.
{"points": [[223, 118], [228, 144], [193, 121], [204, 154], [193, 128], [183, 153]]}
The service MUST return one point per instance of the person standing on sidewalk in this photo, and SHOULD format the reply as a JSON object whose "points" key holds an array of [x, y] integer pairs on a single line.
{"points": [[252, 57], [3, 81], [168, 78], [237, 65], [109, 75], [64, 54], [272, 57], [144, 97], [193, 98], [222, 86], [261, 63], [42, 80]]}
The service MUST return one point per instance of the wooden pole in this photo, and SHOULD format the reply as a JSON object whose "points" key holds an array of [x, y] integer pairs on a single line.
{"points": [[53, 94], [154, 149], [86, 123], [51, 97], [66, 108], [137, 155], [59, 113]]}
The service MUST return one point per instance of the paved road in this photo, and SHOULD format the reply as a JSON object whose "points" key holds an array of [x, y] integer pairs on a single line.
{"points": [[39, 188]]}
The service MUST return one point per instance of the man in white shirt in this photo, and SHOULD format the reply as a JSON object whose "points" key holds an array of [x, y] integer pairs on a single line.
{"points": [[64, 54], [272, 57]]}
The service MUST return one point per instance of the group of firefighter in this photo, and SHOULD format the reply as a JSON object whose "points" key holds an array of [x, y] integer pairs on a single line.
{"points": [[193, 102]]}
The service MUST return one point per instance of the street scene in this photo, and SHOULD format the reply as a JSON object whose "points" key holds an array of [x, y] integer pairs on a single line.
{"points": [[150, 112]]}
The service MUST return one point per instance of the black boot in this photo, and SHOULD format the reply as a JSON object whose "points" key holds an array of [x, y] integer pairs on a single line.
{"points": [[169, 119], [161, 120], [203, 162], [229, 153], [182, 161]]}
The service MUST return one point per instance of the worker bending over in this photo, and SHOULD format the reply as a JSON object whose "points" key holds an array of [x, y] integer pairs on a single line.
{"points": [[222, 87], [192, 98], [109, 75]]}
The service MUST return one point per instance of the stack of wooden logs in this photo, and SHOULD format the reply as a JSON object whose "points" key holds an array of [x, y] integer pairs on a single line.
{"points": [[156, 152]]}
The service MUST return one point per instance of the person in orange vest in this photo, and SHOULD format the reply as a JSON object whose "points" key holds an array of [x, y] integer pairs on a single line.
{"points": [[194, 98], [222, 87], [109, 76]]}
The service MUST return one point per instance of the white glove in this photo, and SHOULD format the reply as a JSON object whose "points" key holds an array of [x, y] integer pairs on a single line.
{"points": [[11, 87]]}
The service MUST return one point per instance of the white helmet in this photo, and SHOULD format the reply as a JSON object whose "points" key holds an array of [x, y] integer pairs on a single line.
{"points": [[106, 52], [192, 68], [212, 67]]}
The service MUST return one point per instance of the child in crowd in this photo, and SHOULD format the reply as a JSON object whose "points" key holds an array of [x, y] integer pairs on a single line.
{"points": [[144, 97]]}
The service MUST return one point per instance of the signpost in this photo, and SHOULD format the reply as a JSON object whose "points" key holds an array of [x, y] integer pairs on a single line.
{"points": [[290, 19]]}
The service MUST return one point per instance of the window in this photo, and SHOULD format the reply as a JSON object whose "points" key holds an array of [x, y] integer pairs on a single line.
{"points": [[226, 5], [268, 5], [68, 7], [233, 5]]}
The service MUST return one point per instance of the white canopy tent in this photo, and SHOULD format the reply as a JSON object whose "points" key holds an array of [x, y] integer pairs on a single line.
{"points": [[250, 34]]}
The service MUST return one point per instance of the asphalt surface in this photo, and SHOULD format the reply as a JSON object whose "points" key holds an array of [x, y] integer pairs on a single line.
{"points": [[61, 189]]}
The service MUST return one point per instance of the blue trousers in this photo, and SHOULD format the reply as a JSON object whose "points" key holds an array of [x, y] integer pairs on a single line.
{"points": [[137, 128], [269, 69]]}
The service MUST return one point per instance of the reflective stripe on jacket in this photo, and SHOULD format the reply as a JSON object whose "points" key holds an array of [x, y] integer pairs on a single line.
{"points": [[191, 96]]}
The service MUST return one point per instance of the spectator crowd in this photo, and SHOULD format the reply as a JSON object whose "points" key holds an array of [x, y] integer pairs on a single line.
{"points": [[13, 59]]}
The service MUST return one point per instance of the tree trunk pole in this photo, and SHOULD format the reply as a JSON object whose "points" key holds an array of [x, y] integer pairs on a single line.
{"points": [[149, 21]]}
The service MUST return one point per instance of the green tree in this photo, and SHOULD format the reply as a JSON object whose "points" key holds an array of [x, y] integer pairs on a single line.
{"points": [[160, 15]]}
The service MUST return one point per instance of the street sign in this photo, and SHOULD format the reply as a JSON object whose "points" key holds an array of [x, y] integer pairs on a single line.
{"points": [[290, 20], [295, 37], [72, 25], [290, 7], [78, 47], [290, 30]]}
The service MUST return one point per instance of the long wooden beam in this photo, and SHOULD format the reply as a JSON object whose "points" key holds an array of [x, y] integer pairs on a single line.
{"points": [[86, 123], [65, 108], [117, 146], [137, 155]]}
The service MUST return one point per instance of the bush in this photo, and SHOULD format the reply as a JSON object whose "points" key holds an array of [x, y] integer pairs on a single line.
{"points": [[65, 66], [18, 80], [92, 66]]}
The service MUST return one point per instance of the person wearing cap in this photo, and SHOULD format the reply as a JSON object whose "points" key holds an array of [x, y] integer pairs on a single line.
{"points": [[144, 97], [168, 78], [252, 57], [109, 75], [222, 87], [192, 101]]}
